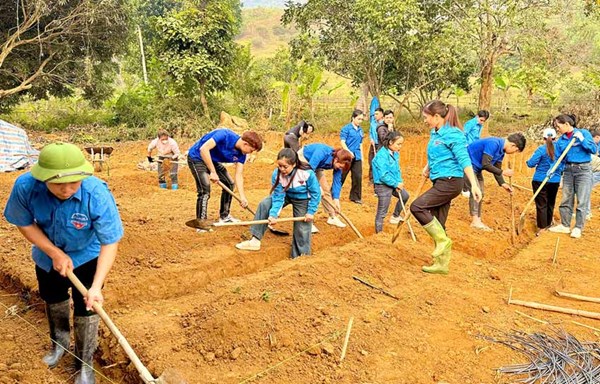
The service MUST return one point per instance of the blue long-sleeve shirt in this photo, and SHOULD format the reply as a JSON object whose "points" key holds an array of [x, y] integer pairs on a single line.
{"points": [[472, 130], [304, 185], [581, 151], [386, 168], [320, 156], [542, 163], [373, 123], [447, 153], [353, 137]]}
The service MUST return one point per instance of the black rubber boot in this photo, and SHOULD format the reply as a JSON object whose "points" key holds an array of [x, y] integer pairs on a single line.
{"points": [[86, 341], [60, 331]]}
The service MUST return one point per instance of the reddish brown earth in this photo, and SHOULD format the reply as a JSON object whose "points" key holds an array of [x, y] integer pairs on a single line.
{"points": [[194, 303]]}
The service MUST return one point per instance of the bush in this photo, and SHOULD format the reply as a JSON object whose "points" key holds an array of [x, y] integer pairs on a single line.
{"points": [[135, 107]]}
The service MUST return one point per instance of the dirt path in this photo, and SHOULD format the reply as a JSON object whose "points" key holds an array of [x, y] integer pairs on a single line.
{"points": [[218, 315]]}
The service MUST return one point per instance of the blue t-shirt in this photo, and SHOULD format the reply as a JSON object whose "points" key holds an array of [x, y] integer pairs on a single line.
{"points": [[225, 150], [491, 146], [320, 156], [542, 163], [472, 130], [447, 153], [78, 225], [353, 137]]}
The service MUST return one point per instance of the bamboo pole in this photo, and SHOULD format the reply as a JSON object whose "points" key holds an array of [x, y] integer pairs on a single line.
{"points": [[555, 251], [346, 339], [531, 317], [522, 187], [577, 297], [553, 308]]}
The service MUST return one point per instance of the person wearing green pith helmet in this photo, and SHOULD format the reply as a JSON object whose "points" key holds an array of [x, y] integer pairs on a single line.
{"points": [[72, 220]]}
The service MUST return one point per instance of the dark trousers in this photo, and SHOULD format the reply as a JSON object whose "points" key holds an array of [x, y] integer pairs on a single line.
{"points": [[201, 176], [55, 289], [544, 203], [302, 236], [435, 202], [291, 141], [384, 198], [371, 157], [356, 190]]}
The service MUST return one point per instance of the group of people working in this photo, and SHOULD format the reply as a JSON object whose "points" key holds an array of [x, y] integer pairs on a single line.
{"points": [[72, 220]]}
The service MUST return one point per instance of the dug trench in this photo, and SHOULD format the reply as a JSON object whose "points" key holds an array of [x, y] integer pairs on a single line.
{"points": [[194, 303]]}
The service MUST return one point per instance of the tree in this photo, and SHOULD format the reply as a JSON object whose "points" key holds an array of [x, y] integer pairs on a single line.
{"points": [[197, 48], [48, 47]]}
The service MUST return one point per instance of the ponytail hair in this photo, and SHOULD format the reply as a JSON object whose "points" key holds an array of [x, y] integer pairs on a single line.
{"points": [[550, 147], [291, 157], [343, 157], [447, 111], [391, 137]]}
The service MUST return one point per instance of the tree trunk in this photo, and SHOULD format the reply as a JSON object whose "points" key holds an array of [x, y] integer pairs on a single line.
{"points": [[362, 102], [485, 93], [204, 102]]}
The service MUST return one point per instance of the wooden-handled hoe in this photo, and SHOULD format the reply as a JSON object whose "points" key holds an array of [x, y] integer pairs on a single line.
{"points": [[168, 377], [556, 164]]}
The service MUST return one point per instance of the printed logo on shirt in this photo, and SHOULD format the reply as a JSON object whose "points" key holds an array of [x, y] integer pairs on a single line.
{"points": [[438, 142], [79, 220]]}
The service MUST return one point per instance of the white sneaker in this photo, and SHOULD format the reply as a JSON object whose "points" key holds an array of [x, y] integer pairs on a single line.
{"points": [[314, 229], [560, 229], [396, 219], [249, 245], [203, 230], [576, 233], [336, 222], [589, 216], [466, 194], [229, 219]]}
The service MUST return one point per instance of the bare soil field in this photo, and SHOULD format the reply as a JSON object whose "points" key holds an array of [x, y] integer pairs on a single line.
{"points": [[194, 303]]}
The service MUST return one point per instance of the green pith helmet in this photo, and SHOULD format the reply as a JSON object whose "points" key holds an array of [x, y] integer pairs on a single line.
{"points": [[61, 163]]}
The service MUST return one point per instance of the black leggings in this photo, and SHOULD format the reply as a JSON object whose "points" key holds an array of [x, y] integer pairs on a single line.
{"points": [[55, 289], [201, 176]]}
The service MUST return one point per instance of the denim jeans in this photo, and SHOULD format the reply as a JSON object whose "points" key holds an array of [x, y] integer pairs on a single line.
{"points": [[577, 182], [384, 195], [201, 176], [474, 206], [595, 181], [302, 236]]}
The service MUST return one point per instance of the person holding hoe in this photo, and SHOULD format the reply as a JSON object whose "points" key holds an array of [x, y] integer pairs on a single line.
{"points": [[577, 174], [293, 182], [487, 154], [447, 163], [542, 159], [322, 157], [72, 220], [472, 129], [293, 138], [206, 158], [388, 179], [167, 149]]}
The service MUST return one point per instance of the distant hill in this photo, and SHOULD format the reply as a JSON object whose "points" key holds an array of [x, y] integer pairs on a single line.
{"points": [[262, 29], [267, 3]]}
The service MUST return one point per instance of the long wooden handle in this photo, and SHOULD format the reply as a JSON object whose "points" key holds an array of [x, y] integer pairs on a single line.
{"points": [[399, 226], [329, 203], [252, 222], [143, 371], [556, 164], [226, 189]]}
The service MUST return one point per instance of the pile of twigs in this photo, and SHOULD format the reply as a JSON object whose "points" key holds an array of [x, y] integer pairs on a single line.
{"points": [[557, 359]]}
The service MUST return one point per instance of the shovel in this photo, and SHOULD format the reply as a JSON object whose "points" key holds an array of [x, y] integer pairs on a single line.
{"points": [[167, 377], [408, 213], [275, 231], [264, 221], [560, 159]]}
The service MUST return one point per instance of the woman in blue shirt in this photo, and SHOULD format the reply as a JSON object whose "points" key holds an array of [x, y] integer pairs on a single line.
{"points": [[351, 137], [293, 182], [577, 174], [387, 178], [205, 160], [542, 159], [72, 220], [447, 163]]}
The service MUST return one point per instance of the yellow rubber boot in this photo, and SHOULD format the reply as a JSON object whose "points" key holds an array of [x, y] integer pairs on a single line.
{"points": [[438, 234]]}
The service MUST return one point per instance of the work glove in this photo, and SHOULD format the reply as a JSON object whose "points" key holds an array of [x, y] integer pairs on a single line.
{"points": [[578, 135], [150, 159]]}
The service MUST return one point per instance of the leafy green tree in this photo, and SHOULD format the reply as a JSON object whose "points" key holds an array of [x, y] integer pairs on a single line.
{"points": [[49, 47], [197, 48]]}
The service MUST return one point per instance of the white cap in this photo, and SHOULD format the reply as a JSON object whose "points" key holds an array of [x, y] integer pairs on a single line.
{"points": [[549, 132]]}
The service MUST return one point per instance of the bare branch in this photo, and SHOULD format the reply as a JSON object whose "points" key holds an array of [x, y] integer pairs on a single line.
{"points": [[26, 84]]}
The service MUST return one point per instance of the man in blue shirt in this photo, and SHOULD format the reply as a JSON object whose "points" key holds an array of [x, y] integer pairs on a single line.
{"points": [[351, 137], [487, 154], [205, 160], [72, 221], [376, 118]]}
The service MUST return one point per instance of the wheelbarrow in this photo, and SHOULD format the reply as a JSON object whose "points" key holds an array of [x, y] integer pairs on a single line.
{"points": [[100, 156]]}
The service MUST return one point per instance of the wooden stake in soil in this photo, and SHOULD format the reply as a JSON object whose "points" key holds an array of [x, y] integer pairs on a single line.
{"points": [[577, 297], [555, 251], [512, 213], [345, 347], [553, 308]]}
